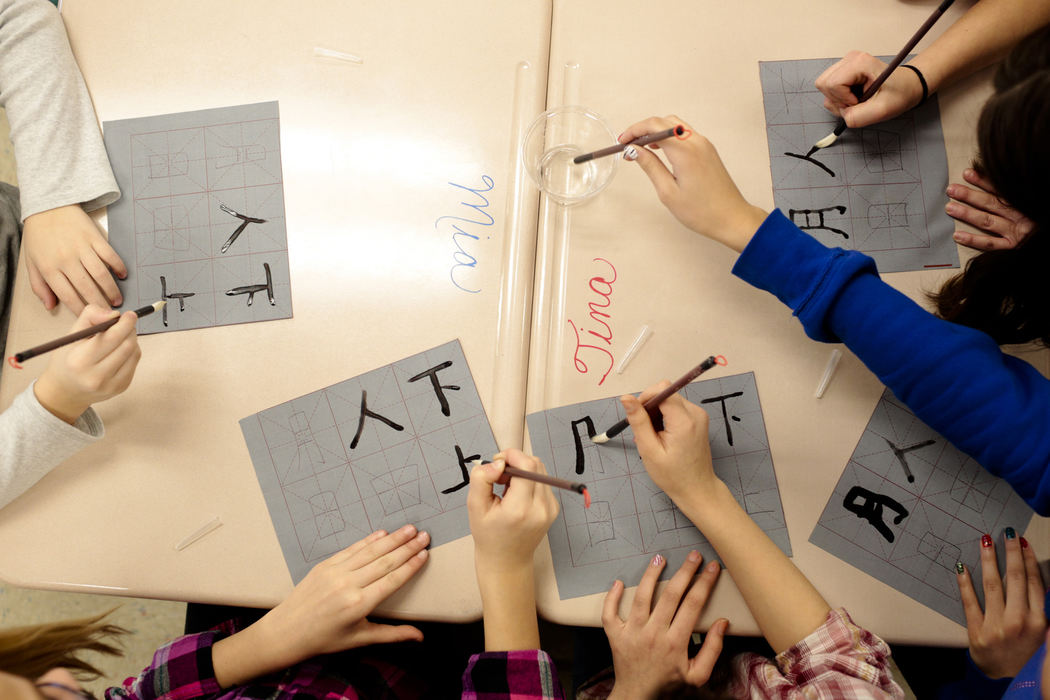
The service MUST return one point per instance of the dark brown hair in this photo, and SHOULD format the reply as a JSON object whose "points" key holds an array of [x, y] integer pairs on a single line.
{"points": [[34, 650], [1006, 293]]}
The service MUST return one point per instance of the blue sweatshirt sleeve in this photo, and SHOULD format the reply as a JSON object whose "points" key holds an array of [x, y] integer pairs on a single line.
{"points": [[974, 685], [993, 407]]}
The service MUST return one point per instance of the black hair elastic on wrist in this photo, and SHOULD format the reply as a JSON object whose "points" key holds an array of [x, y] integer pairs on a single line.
{"points": [[922, 81]]}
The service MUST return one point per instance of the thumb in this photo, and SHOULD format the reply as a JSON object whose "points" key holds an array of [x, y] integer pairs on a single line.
{"points": [[865, 113], [482, 478], [644, 433], [701, 665], [387, 634], [93, 314]]}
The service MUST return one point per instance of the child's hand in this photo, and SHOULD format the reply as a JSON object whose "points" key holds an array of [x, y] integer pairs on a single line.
{"points": [[1003, 226], [90, 370], [507, 530], [678, 458], [651, 648], [1013, 624], [69, 259], [326, 612], [901, 91], [697, 189]]}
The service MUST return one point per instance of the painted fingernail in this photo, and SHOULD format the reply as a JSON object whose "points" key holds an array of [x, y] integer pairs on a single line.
{"points": [[986, 540], [1024, 543], [1008, 533], [960, 568], [658, 560], [693, 556], [630, 153]]}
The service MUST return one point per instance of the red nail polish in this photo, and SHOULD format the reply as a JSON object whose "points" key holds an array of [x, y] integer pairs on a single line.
{"points": [[986, 540], [1024, 543]]}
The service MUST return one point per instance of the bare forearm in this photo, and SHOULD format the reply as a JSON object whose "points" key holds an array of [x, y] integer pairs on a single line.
{"points": [[508, 597], [979, 38], [785, 604]]}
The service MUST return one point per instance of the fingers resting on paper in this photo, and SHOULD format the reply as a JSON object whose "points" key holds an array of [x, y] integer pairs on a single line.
{"points": [[1013, 624], [70, 261], [651, 646], [326, 612]]}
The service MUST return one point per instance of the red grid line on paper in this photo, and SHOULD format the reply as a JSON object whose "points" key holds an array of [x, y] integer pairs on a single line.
{"points": [[797, 96], [634, 467], [137, 146], [922, 498], [346, 460]]}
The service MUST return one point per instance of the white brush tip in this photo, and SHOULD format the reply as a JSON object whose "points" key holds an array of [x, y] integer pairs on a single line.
{"points": [[600, 438], [158, 305], [827, 140]]}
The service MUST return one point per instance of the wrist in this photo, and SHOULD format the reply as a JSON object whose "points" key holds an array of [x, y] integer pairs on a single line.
{"points": [[707, 500], [742, 226], [248, 654], [58, 402], [499, 572], [929, 72]]}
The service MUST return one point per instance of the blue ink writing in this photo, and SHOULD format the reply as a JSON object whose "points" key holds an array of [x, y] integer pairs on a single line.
{"points": [[461, 229]]}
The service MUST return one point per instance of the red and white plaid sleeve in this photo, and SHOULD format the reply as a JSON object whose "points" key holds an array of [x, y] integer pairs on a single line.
{"points": [[838, 661]]}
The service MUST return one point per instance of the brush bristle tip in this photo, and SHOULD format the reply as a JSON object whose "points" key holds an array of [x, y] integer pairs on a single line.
{"points": [[827, 140]]}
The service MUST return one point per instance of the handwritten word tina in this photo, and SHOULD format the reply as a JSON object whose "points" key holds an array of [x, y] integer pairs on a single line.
{"points": [[586, 346], [461, 228]]}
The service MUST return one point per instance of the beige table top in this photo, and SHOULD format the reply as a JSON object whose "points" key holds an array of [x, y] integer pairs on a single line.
{"points": [[700, 62], [369, 151], [369, 154]]}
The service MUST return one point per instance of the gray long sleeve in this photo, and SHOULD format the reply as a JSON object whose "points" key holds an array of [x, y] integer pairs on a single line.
{"points": [[33, 442], [58, 148]]}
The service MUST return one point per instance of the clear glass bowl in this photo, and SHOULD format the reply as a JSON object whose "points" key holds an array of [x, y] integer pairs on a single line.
{"points": [[554, 139]]}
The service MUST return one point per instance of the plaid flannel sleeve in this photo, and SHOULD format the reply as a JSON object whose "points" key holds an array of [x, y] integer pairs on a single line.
{"points": [[180, 669], [838, 660], [511, 675]]}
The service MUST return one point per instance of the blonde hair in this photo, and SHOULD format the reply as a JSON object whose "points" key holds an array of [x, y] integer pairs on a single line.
{"points": [[33, 650]]}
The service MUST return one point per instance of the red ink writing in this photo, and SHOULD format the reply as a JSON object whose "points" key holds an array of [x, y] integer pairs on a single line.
{"points": [[594, 343]]}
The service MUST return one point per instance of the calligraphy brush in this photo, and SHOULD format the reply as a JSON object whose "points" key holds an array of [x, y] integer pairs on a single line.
{"points": [[545, 479], [18, 357], [652, 406], [679, 131], [873, 88]]}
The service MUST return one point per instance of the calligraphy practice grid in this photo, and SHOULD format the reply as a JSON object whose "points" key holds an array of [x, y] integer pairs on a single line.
{"points": [[190, 181], [630, 518], [879, 190], [389, 447], [910, 532]]}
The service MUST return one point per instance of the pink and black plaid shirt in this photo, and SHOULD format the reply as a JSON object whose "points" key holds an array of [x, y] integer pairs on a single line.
{"points": [[837, 661], [182, 669]]}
